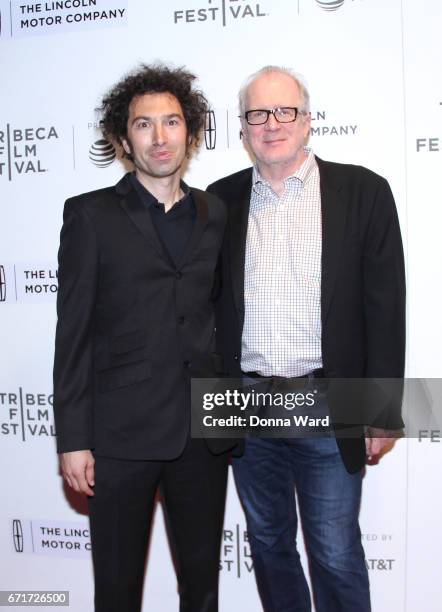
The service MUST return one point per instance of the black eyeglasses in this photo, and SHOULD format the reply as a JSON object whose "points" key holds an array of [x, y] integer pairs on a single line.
{"points": [[282, 114]]}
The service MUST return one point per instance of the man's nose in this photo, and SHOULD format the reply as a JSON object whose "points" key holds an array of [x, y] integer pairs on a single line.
{"points": [[159, 134], [272, 123]]}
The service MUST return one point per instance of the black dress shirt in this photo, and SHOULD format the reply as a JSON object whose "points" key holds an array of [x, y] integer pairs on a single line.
{"points": [[174, 227]]}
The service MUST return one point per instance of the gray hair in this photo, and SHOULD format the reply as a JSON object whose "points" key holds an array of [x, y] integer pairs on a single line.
{"points": [[305, 96]]}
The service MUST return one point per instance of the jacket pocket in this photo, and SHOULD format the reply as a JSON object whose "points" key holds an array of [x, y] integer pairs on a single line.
{"points": [[123, 376]]}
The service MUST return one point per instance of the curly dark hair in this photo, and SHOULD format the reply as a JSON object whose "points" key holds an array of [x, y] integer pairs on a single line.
{"points": [[147, 79]]}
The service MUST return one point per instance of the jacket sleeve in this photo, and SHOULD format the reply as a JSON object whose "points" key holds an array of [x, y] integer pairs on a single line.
{"points": [[77, 288], [384, 303]]}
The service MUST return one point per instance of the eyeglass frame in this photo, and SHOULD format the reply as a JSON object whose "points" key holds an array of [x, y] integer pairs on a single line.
{"points": [[272, 111]]}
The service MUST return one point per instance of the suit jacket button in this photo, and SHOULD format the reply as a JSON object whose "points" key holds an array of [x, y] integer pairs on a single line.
{"points": [[181, 320], [186, 364], [236, 357], [178, 274]]}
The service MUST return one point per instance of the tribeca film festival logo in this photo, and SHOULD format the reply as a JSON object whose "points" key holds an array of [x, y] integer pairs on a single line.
{"points": [[25, 415], [47, 537], [20, 150], [24, 282], [52, 17], [236, 557], [221, 11], [429, 144]]}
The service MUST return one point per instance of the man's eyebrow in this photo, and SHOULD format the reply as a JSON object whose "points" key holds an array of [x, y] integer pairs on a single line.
{"points": [[147, 118]]}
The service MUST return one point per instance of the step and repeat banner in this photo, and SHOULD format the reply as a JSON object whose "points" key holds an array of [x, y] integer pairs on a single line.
{"points": [[373, 70]]}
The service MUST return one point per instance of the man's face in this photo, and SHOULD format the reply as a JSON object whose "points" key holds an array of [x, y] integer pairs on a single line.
{"points": [[156, 135], [276, 143]]}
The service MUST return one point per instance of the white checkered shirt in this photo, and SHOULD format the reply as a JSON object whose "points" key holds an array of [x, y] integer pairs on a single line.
{"points": [[282, 281]]}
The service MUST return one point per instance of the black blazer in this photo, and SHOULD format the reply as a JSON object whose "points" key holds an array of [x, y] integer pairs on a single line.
{"points": [[362, 282], [132, 327]]}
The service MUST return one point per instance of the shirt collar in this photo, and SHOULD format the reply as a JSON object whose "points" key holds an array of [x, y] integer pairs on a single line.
{"points": [[148, 198], [301, 175]]}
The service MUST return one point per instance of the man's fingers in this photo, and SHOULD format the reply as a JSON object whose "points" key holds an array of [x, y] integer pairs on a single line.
{"points": [[375, 446], [78, 470], [81, 481], [77, 485], [90, 474], [372, 447]]}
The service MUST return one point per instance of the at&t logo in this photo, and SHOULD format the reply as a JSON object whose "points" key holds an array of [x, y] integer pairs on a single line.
{"points": [[102, 153], [330, 5]]}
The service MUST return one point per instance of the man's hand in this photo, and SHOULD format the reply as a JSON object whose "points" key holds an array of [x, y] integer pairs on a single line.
{"points": [[77, 468], [377, 440]]}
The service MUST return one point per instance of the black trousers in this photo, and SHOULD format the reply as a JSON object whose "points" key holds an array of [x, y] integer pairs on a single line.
{"points": [[194, 489]]}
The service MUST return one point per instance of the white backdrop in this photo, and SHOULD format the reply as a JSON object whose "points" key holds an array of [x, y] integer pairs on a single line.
{"points": [[373, 69]]}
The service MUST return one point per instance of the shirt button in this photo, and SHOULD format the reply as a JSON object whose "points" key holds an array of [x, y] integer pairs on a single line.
{"points": [[277, 302]]}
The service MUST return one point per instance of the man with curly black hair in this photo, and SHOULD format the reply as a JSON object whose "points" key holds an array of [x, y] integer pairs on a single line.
{"points": [[137, 269]]}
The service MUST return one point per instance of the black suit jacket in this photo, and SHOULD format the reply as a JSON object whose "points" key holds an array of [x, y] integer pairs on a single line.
{"points": [[362, 282], [132, 326]]}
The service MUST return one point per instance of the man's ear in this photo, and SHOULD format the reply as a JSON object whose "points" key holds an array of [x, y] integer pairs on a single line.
{"points": [[243, 134], [189, 147], [242, 130], [126, 146]]}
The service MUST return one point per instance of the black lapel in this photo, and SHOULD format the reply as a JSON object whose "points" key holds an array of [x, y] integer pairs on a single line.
{"points": [[202, 215], [238, 222], [139, 214], [334, 214]]}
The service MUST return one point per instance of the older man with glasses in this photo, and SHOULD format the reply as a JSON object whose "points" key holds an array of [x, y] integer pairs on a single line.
{"points": [[313, 286]]}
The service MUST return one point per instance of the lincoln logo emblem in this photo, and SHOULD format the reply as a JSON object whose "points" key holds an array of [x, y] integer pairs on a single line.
{"points": [[17, 535], [2, 284], [210, 130]]}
